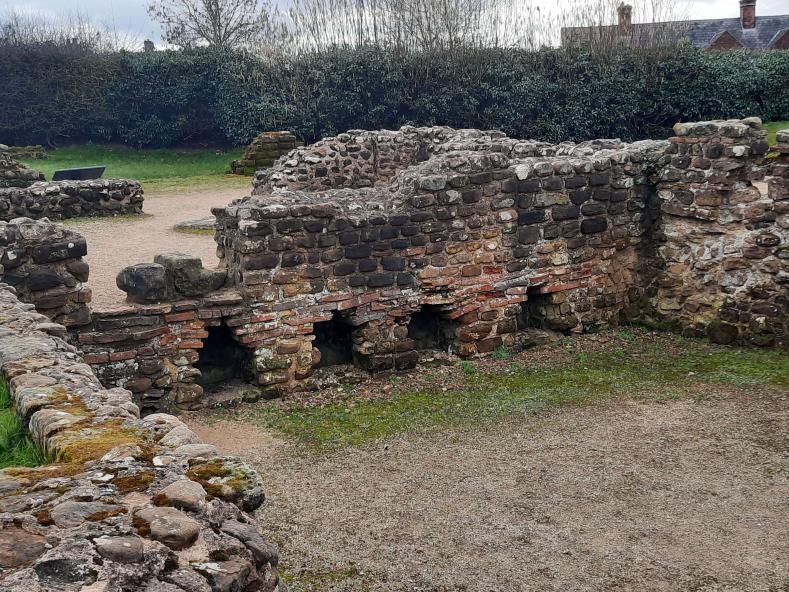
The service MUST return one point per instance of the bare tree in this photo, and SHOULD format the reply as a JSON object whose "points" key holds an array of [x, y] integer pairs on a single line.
{"points": [[217, 23], [426, 25], [74, 32]]}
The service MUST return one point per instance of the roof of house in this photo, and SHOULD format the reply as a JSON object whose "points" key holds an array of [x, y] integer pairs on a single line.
{"points": [[700, 33]]}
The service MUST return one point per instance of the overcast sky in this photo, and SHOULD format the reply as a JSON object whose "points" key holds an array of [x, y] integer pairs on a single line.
{"points": [[130, 17]]}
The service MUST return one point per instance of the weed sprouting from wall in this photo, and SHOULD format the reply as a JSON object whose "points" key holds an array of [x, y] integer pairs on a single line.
{"points": [[16, 448]]}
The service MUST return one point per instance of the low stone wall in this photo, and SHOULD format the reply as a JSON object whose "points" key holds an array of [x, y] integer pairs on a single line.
{"points": [[132, 504], [72, 199], [263, 151], [14, 173], [43, 262]]}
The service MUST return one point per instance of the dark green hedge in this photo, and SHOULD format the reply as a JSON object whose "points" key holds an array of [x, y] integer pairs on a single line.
{"points": [[211, 96]]}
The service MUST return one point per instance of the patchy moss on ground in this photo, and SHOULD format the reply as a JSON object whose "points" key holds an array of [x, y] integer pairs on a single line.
{"points": [[635, 364], [16, 447], [314, 580]]}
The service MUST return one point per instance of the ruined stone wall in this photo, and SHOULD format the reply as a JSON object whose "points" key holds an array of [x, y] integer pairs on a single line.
{"points": [[153, 350], [481, 241], [43, 262], [72, 199], [359, 158], [14, 173], [263, 151], [722, 244], [132, 504], [488, 243]]}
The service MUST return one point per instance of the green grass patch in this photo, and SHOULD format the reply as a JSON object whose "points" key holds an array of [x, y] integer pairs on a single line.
{"points": [[772, 128], [16, 448], [158, 169], [647, 371]]}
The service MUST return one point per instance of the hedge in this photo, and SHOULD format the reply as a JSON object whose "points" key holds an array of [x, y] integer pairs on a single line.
{"points": [[218, 97]]}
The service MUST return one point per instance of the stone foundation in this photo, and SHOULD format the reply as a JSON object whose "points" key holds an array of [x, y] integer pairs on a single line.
{"points": [[132, 504], [263, 151], [58, 200]]}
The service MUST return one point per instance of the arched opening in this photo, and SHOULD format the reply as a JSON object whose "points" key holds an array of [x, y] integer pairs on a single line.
{"points": [[334, 340], [541, 312], [222, 359], [430, 329]]}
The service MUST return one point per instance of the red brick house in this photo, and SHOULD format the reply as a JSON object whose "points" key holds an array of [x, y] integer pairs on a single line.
{"points": [[748, 31]]}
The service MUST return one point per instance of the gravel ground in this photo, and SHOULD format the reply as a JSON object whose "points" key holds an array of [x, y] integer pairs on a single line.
{"points": [[114, 243], [679, 495]]}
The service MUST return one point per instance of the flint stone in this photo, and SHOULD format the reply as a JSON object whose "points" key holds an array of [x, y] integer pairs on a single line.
{"points": [[183, 494], [168, 526], [188, 579], [71, 514], [123, 549], [179, 436], [226, 576], [262, 551], [144, 282]]}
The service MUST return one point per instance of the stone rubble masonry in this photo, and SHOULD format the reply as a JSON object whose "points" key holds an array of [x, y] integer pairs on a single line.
{"points": [[722, 246], [131, 504], [14, 173], [263, 151], [72, 199], [44, 263], [491, 237]]}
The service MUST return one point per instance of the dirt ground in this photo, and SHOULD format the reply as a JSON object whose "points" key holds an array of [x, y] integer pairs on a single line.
{"points": [[678, 495], [114, 243]]}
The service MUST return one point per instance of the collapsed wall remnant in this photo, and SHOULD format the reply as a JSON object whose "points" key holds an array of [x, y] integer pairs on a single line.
{"points": [[370, 247], [723, 245], [44, 263], [14, 173], [72, 199], [132, 504], [263, 152]]}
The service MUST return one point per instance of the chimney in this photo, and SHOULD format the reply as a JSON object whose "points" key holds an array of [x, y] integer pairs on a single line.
{"points": [[748, 14], [626, 15]]}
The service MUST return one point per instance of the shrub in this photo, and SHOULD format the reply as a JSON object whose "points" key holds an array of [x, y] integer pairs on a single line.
{"points": [[222, 96]]}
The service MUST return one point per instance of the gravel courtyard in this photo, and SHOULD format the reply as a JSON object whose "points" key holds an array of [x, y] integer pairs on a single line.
{"points": [[688, 493]]}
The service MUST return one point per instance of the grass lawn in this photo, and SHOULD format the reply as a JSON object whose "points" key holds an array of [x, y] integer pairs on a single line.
{"points": [[635, 364], [157, 169], [773, 127], [16, 449]]}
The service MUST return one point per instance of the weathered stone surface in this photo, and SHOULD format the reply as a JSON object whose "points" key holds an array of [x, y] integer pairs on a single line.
{"points": [[226, 576], [19, 548], [144, 282], [122, 549], [92, 525], [168, 526], [188, 276], [183, 494]]}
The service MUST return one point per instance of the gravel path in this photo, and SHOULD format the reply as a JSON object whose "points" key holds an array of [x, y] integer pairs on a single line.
{"points": [[679, 495], [114, 243]]}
